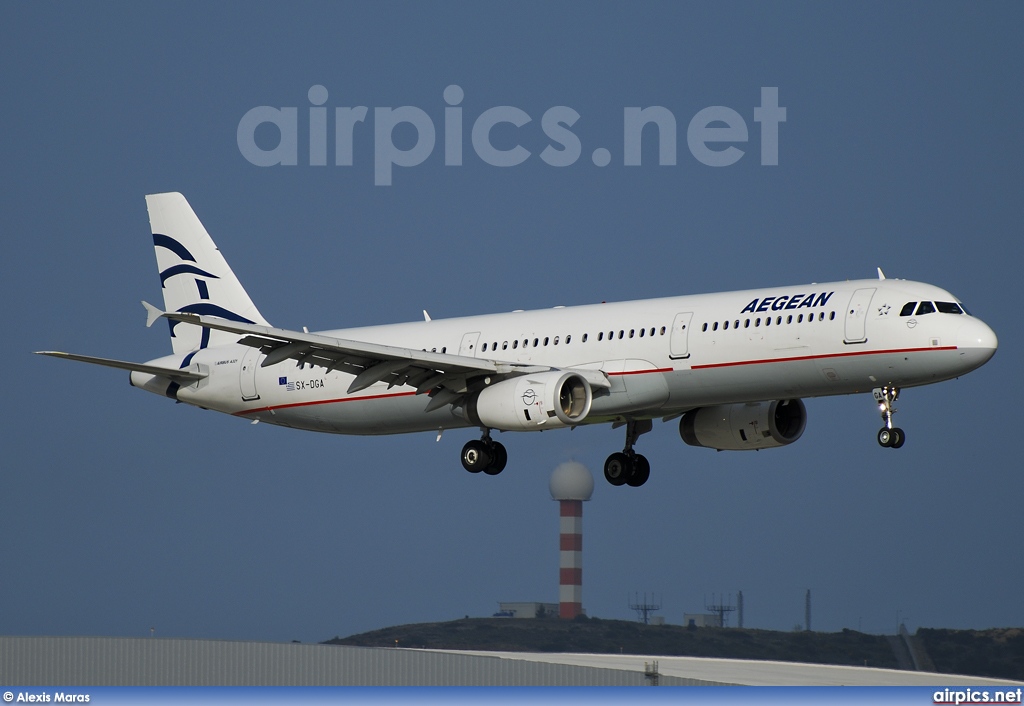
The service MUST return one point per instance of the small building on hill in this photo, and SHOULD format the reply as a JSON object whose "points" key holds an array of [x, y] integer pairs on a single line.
{"points": [[702, 620], [527, 610]]}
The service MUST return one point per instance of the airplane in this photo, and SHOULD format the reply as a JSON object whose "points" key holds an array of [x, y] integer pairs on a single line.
{"points": [[733, 367]]}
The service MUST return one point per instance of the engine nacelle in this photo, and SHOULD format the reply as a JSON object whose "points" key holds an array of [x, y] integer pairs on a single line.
{"points": [[532, 402], [735, 427]]}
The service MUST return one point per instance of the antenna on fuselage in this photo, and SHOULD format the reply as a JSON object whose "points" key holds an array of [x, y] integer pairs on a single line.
{"points": [[881, 275]]}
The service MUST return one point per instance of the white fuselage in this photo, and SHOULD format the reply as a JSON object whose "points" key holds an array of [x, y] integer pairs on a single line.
{"points": [[662, 356]]}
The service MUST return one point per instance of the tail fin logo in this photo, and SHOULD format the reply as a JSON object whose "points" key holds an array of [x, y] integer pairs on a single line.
{"points": [[203, 307]]}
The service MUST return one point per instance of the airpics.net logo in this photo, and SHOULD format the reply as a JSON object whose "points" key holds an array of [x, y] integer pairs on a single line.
{"points": [[712, 134]]}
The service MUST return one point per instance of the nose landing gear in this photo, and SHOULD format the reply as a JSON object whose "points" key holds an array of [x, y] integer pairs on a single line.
{"points": [[889, 437], [629, 467], [485, 455]]}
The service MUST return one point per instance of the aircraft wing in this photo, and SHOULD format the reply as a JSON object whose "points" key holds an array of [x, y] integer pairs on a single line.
{"points": [[181, 376], [444, 376]]}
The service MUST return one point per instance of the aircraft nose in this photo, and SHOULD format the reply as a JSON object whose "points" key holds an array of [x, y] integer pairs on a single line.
{"points": [[977, 341]]}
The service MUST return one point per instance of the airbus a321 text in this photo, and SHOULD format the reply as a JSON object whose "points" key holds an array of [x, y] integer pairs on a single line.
{"points": [[732, 367]]}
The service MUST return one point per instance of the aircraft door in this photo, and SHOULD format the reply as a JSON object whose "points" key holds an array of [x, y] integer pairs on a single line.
{"points": [[469, 343], [857, 314], [247, 374], [679, 338]]}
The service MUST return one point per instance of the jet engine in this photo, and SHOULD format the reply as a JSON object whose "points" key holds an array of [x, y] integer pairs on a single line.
{"points": [[532, 402], [753, 425]]}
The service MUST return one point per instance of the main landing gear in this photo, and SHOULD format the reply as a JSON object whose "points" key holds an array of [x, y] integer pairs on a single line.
{"points": [[629, 467], [485, 455], [889, 436]]}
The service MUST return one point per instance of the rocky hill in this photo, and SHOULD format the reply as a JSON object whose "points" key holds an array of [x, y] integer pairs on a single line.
{"points": [[620, 636], [988, 653]]}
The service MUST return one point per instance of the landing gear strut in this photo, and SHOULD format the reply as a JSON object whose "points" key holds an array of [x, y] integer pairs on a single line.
{"points": [[629, 467], [889, 436], [485, 455]]}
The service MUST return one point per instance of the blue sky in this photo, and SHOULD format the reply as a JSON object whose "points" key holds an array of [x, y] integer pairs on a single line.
{"points": [[123, 512]]}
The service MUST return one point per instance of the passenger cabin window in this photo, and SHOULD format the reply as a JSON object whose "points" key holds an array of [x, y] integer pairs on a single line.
{"points": [[948, 308], [925, 308], [908, 309]]}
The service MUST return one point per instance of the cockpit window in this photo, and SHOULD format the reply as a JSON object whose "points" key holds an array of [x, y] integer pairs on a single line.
{"points": [[948, 308], [925, 308], [908, 309]]}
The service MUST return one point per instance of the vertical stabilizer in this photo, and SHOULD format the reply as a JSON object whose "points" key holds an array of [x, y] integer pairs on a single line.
{"points": [[194, 275]]}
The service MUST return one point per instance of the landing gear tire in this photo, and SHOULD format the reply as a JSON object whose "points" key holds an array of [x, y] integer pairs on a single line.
{"points": [[891, 438], [900, 437], [616, 469], [885, 437], [476, 456], [499, 457], [640, 471], [629, 467]]}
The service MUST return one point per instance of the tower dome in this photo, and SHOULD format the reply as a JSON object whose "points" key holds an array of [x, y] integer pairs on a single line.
{"points": [[571, 481]]}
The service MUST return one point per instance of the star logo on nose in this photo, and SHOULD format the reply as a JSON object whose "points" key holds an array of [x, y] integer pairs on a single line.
{"points": [[884, 310]]}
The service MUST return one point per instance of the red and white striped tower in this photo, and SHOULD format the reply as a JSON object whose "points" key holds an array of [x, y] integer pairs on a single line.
{"points": [[571, 484]]}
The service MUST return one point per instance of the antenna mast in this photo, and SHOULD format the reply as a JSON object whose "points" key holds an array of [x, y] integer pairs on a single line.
{"points": [[644, 609], [721, 607]]}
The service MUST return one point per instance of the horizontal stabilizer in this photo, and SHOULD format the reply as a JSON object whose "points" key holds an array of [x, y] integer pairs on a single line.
{"points": [[152, 313], [171, 373]]}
